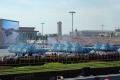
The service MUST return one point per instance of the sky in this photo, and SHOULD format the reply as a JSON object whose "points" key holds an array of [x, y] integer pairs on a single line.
{"points": [[90, 14]]}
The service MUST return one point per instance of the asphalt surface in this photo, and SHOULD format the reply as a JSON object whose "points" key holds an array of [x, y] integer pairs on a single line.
{"points": [[4, 52], [99, 77]]}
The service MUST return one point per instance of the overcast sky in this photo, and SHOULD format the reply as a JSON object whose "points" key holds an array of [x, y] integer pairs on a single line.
{"points": [[90, 14]]}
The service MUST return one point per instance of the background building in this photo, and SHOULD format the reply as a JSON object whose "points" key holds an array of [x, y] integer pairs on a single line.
{"points": [[117, 32], [91, 33], [59, 28], [27, 34], [8, 32]]}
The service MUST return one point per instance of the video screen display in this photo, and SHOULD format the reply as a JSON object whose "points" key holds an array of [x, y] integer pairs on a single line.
{"points": [[9, 31]]}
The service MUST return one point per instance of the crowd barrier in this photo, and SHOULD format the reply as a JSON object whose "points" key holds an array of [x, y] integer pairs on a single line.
{"points": [[34, 60]]}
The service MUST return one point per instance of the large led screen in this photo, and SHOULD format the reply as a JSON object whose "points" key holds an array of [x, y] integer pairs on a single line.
{"points": [[9, 32]]}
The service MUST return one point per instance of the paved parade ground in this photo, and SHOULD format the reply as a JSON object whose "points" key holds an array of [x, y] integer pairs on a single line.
{"points": [[4, 52], [99, 77]]}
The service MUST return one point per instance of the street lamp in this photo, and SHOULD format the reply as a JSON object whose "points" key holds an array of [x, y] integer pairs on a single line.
{"points": [[72, 12], [42, 34]]}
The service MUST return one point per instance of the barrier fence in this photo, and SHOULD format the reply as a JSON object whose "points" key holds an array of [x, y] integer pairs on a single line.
{"points": [[34, 60]]}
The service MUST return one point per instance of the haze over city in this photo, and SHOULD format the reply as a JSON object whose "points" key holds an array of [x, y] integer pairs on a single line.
{"points": [[90, 14]]}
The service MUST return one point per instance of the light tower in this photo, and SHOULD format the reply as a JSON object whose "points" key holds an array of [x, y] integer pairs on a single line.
{"points": [[59, 28], [102, 26], [42, 28], [42, 35], [72, 12]]}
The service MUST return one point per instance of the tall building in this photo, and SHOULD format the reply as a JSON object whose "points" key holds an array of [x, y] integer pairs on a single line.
{"points": [[8, 32], [59, 28], [27, 34]]}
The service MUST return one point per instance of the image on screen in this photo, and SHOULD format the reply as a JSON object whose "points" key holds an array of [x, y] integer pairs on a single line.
{"points": [[9, 31]]}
